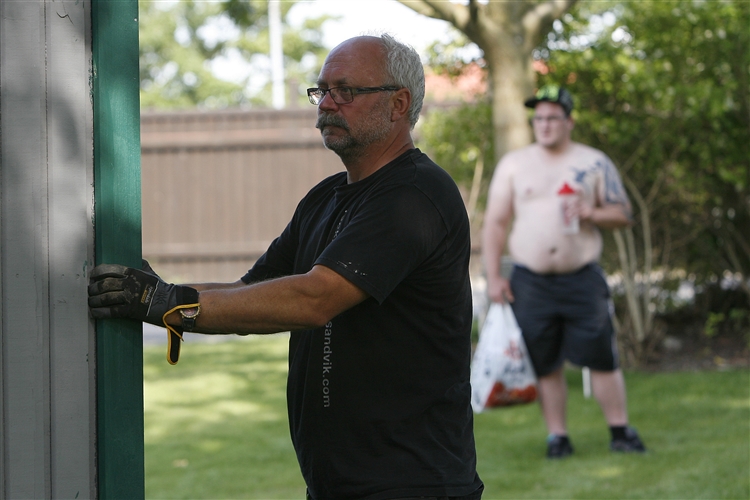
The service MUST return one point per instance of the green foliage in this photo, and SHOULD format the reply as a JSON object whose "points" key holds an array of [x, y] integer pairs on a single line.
{"points": [[180, 41], [174, 74], [712, 323], [459, 136], [664, 89], [475, 331], [451, 54], [736, 320], [455, 137], [216, 427]]}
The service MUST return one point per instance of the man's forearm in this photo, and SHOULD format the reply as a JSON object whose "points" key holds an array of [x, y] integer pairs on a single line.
{"points": [[493, 245], [611, 216], [201, 287], [289, 303]]}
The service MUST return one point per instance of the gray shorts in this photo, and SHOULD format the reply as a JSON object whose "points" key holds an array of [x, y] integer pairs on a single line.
{"points": [[565, 316]]}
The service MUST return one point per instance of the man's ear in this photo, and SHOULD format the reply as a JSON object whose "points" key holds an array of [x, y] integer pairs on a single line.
{"points": [[401, 101]]}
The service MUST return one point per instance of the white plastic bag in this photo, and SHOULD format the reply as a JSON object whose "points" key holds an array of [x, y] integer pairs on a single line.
{"points": [[501, 370]]}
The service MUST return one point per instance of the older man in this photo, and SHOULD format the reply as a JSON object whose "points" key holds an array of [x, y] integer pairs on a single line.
{"points": [[556, 194], [371, 277]]}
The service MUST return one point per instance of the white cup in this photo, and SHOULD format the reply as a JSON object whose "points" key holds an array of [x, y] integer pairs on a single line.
{"points": [[570, 224]]}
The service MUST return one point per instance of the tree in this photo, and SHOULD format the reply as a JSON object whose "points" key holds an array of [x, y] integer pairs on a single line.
{"points": [[459, 138], [182, 43], [459, 135], [507, 33], [663, 88]]}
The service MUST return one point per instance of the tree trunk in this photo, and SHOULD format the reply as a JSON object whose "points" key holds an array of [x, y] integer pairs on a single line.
{"points": [[507, 33], [512, 82]]}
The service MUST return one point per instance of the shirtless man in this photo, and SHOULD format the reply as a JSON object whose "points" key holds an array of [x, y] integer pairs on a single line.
{"points": [[557, 289]]}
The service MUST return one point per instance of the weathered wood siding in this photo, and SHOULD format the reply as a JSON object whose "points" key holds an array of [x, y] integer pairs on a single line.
{"points": [[218, 187], [47, 390]]}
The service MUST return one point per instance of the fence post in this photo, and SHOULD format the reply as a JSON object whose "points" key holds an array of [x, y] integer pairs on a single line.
{"points": [[118, 240]]}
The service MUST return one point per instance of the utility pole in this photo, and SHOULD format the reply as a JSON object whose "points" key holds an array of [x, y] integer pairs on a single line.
{"points": [[277, 54]]}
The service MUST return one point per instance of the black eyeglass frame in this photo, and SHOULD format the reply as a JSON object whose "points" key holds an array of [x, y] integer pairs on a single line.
{"points": [[353, 91], [551, 119]]}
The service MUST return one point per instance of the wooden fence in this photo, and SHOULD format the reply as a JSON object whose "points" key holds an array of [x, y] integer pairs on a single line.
{"points": [[218, 187]]}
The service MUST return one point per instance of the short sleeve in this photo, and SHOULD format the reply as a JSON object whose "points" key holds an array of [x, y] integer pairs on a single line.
{"points": [[385, 240]]}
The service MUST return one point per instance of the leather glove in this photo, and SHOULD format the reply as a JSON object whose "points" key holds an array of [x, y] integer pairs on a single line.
{"points": [[124, 292]]}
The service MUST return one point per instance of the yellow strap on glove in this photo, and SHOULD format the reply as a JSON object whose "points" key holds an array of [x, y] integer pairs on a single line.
{"points": [[174, 335]]}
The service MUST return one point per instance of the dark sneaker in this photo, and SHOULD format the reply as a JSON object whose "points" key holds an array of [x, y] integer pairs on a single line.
{"points": [[558, 447], [631, 443]]}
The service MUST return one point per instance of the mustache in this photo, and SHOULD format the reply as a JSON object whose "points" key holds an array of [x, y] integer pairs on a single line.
{"points": [[333, 120]]}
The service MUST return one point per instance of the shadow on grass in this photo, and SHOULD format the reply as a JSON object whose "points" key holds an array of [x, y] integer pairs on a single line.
{"points": [[216, 427], [216, 423]]}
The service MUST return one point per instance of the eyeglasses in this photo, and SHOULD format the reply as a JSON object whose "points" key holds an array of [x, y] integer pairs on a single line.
{"points": [[551, 119], [343, 95]]}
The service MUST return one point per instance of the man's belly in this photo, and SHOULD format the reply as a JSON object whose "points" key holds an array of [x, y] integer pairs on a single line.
{"points": [[552, 251]]}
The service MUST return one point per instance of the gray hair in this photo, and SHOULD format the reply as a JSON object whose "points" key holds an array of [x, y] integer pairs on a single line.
{"points": [[404, 67]]}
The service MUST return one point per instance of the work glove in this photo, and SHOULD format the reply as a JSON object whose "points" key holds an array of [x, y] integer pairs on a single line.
{"points": [[124, 292]]}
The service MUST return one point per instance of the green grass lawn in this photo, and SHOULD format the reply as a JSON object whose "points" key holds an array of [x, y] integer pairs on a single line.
{"points": [[216, 427]]}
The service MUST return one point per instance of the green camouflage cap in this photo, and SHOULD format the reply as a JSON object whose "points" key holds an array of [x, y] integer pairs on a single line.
{"points": [[552, 93]]}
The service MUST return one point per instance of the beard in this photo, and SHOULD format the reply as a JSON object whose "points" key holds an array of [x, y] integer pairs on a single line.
{"points": [[359, 136]]}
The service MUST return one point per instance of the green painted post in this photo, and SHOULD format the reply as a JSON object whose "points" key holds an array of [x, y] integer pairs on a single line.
{"points": [[117, 189]]}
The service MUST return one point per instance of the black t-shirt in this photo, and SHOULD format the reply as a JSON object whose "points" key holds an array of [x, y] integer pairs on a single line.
{"points": [[379, 398]]}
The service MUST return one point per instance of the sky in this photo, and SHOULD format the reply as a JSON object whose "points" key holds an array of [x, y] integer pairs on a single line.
{"points": [[357, 17], [361, 16]]}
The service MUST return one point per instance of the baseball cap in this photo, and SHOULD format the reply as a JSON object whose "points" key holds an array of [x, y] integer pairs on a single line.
{"points": [[552, 93]]}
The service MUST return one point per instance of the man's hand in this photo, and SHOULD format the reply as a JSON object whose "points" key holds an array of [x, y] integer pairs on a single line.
{"points": [[580, 209], [499, 290], [124, 292]]}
